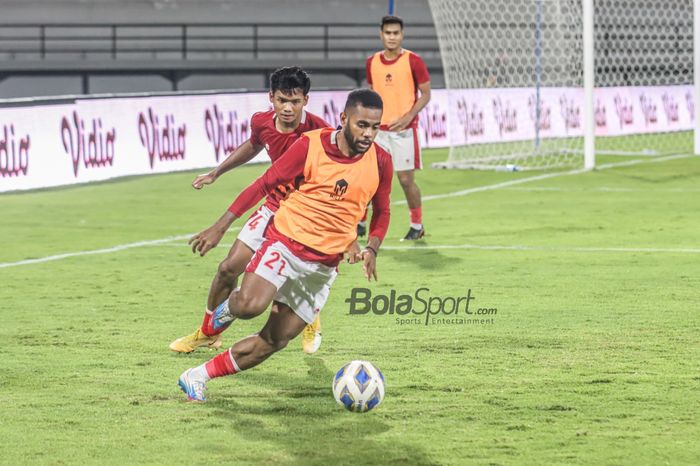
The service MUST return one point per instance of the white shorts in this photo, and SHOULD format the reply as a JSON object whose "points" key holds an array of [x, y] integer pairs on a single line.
{"points": [[404, 148], [302, 285], [252, 233]]}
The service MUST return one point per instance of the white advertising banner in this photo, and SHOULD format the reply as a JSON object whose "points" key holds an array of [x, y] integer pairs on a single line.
{"points": [[636, 110], [32, 153], [328, 105], [96, 139]]}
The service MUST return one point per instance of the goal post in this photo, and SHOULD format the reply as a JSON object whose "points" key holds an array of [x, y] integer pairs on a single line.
{"points": [[696, 69], [588, 85], [541, 84]]}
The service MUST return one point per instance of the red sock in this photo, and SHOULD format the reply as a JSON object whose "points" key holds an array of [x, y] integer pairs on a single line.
{"points": [[206, 323], [211, 326], [416, 215], [221, 364]]}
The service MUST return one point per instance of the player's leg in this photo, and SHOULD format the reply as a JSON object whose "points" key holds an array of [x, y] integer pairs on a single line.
{"points": [[406, 156], [249, 239], [296, 284], [281, 327], [312, 337], [413, 198], [266, 273], [227, 274], [250, 300], [221, 287]]}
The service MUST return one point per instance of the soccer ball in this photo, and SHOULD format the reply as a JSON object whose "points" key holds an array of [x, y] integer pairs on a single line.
{"points": [[358, 386]]}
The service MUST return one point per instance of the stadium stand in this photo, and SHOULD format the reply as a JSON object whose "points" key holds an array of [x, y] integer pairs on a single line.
{"points": [[150, 46]]}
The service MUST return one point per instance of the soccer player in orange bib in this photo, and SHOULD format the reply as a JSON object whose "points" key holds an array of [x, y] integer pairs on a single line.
{"points": [[275, 130], [337, 173], [398, 75]]}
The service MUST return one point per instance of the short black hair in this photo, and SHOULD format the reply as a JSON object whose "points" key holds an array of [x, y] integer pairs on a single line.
{"points": [[364, 97], [389, 19], [289, 78]]}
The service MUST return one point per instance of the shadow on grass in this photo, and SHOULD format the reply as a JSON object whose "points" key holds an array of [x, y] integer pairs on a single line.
{"points": [[422, 256], [303, 420]]}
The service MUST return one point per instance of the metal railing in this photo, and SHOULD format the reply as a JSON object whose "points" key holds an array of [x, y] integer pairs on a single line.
{"points": [[200, 41]]}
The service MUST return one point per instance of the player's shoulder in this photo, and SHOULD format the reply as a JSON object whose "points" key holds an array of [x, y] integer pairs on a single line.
{"points": [[323, 132], [413, 56], [262, 118], [373, 56], [313, 121]]}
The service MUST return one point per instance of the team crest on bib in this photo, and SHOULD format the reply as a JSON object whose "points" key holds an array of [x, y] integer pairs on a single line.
{"points": [[341, 187]]}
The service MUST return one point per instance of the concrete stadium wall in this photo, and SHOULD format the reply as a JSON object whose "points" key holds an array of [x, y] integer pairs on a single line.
{"points": [[16, 84], [61, 11]]}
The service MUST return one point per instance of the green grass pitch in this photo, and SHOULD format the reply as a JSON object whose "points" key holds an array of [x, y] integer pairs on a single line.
{"points": [[591, 358]]}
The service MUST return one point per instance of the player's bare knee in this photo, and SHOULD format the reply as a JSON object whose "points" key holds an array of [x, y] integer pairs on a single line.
{"points": [[228, 269], [276, 343], [405, 179], [272, 341], [246, 305]]}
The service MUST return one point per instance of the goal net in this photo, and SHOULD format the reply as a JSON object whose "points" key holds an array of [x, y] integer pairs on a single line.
{"points": [[514, 70]]}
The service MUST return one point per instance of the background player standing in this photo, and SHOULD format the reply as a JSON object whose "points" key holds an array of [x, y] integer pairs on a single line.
{"points": [[275, 130], [398, 75]]}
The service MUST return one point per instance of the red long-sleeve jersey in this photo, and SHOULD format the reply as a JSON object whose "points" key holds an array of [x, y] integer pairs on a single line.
{"points": [[289, 168]]}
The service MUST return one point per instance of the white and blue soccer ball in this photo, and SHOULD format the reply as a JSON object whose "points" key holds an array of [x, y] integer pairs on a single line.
{"points": [[358, 386]]}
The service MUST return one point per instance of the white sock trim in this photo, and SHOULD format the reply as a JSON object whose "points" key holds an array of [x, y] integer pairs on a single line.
{"points": [[233, 361], [201, 371], [417, 226]]}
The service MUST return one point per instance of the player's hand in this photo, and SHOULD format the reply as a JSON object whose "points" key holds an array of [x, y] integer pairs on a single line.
{"points": [[201, 180], [369, 264], [353, 255], [400, 123], [206, 240]]}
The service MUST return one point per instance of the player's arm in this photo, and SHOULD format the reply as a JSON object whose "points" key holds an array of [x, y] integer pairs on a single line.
{"points": [[421, 77], [381, 214], [240, 155], [354, 253], [287, 168], [402, 122]]}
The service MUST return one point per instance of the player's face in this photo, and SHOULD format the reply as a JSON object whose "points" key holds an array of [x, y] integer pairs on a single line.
{"points": [[288, 107], [360, 127], [392, 36]]}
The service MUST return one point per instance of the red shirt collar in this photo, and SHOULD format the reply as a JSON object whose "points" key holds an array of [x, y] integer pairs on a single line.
{"points": [[329, 140]]}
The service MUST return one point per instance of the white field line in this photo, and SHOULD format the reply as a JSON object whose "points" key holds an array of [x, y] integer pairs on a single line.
{"points": [[545, 176], [464, 192], [418, 247], [516, 247], [120, 247], [603, 189]]}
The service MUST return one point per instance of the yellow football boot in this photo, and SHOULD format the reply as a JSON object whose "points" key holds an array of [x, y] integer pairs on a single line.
{"points": [[311, 336], [195, 340]]}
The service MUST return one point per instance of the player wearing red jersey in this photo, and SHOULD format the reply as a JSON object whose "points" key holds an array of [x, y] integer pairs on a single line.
{"points": [[399, 75], [275, 130], [337, 174]]}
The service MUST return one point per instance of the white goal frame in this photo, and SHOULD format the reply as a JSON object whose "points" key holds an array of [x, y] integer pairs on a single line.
{"points": [[588, 109]]}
